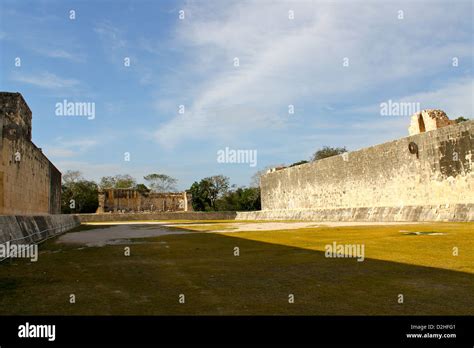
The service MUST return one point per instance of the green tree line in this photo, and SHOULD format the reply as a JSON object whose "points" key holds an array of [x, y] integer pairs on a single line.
{"points": [[213, 193]]}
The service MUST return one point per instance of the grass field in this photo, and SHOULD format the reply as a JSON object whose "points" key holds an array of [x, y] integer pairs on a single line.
{"points": [[271, 265]]}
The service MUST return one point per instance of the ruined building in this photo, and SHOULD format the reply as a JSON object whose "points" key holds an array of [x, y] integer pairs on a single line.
{"points": [[428, 120], [134, 201], [29, 182]]}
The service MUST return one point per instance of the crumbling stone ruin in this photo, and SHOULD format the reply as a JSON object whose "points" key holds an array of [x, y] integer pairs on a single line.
{"points": [[135, 201], [29, 182], [428, 120]]}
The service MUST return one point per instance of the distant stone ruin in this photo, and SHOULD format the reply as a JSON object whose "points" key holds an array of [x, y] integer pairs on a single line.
{"points": [[135, 201], [428, 120]]}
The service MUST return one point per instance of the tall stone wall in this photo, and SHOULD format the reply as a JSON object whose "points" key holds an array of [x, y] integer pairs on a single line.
{"points": [[431, 171], [29, 182]]}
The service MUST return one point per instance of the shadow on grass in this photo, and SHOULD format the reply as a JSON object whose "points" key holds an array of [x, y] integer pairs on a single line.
{"points": [[83, 227], [204, 269]]}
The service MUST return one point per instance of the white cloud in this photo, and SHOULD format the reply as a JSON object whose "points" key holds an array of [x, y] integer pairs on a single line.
{"points": [[59, 53], [82, 144], [70, 148], [289, 62], [455, 97], [91, 171], [59, 152], [45, 80], [112, 35]]}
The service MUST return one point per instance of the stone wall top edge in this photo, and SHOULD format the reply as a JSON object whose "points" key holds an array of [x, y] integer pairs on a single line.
{"points": [[17, 95], [37, 150], [468, 125]]}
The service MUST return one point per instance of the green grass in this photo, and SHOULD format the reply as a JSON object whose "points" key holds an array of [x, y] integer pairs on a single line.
{"points": [[271, 265], [191, 222], [207, 227], [86, 227]]}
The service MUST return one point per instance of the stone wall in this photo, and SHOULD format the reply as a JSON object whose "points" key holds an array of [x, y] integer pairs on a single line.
{"points": [[28, 230], [193, 215], [444, 212], [428, 176], [132, 200], [29, 182]]}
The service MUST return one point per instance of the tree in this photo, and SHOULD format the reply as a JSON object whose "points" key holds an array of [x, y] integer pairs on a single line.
{"points": [[124, 181], [207, 191], [118, 181], [142, 189], [298, 163], [161, 182], [461, 119], [107, 182], [71, 176], [241, 199], [328, 151], [77, 194], [200, 195], [214, 193], [218, 186], [249, 199]]}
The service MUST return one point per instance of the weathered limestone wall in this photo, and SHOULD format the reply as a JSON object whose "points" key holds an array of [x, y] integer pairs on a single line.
{"points": [[132, 200], [34, 229], [29, 182], [193, 215], [435, 183], [447, 212]]}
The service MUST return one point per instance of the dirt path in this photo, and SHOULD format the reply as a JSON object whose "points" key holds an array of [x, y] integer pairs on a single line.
{"points": [[122, 232], [116, 234], [273, 226]]}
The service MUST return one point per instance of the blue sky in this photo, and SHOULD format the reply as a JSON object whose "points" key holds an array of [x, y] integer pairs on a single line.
{"points": [[190, 62]]}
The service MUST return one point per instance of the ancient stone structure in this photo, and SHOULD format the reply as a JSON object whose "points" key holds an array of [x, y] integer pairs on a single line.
{"points": [[426, 176], [132, 200], [428, 120], [29, 182]]}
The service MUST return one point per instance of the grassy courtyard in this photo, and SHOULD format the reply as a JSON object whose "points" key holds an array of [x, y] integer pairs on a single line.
{"points": [[201, 265]]}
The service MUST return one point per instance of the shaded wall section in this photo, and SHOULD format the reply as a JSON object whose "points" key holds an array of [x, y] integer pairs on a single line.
{"points": [[27, 230]]}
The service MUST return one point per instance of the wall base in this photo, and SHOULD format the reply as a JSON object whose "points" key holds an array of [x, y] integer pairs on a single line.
{"points": [[34, 229], [453, 212], [194, 215]]}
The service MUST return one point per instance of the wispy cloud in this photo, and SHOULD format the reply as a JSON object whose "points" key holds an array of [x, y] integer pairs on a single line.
{"points": [[45, 80], [91, 171], [63, 148], [59, 53], [55, 152], [111, 34], [455, 97], [295, 62]]}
